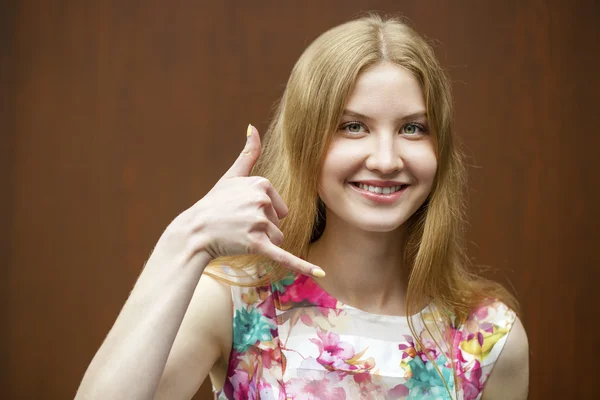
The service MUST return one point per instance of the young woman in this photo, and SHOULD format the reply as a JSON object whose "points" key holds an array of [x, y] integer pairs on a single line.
{"points": [[331, 267]]}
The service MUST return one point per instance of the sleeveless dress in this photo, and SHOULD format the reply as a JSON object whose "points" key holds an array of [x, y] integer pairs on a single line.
{"points": [[292, 340]]}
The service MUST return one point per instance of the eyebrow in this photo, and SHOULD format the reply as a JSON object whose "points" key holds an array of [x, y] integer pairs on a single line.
{"points": [[412, 116]]}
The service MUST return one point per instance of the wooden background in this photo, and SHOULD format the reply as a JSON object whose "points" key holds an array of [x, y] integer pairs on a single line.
{"points": [[118, 115]]}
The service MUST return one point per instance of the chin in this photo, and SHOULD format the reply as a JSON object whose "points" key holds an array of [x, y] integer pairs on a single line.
{"points": [[379, 226]]}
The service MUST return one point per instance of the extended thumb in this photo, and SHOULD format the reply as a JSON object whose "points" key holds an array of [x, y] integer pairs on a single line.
{"points": [[246, 160]]}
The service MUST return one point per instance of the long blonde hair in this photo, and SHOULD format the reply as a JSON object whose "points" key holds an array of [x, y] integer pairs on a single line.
{"points": [[297, 140]]}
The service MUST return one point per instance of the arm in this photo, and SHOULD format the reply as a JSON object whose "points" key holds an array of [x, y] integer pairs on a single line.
{"points": [[205, 336], [510, 377], [240, 215], [131, 360]]}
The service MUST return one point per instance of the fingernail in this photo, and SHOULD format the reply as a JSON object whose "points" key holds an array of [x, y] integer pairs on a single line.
{"points": [[248, 134], [318, 273]]}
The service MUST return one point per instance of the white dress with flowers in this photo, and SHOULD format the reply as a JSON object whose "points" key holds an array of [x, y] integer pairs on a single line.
{"points": [[292, 340]]}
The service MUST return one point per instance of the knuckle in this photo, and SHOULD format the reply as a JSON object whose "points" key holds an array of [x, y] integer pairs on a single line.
{"points": [[276, 222], [262, 183], [261, 221], [263, 200], [277, 239]]}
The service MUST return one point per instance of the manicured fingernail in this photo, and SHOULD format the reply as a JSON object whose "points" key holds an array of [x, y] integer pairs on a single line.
{"points": [[248, 134], [318, 273]]}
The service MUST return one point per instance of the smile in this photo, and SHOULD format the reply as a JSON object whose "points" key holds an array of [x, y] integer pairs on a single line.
{"points": [[378, 189], [387, 194]]}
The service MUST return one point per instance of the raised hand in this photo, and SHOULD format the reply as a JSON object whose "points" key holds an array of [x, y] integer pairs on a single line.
{"points": [[239, 215]]}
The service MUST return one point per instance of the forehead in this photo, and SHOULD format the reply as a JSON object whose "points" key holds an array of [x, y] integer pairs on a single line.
{"points": [[385, 89]]}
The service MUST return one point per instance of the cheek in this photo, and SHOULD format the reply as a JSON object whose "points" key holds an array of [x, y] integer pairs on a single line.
{"points": [[339, 163], [430, 168], [423, 162]]}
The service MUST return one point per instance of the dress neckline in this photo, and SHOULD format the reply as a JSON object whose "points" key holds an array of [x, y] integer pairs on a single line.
{"points": [[304, 290]]}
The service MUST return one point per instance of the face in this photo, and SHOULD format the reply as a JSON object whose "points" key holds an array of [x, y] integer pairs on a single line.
{"points": [[381, 164]]}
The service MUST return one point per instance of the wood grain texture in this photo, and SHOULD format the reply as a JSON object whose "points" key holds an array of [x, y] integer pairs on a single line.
{"points": [[7, 168], [126, 113]]}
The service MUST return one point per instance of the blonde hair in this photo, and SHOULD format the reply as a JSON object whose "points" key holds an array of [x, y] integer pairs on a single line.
{"points": [[297, 140]]}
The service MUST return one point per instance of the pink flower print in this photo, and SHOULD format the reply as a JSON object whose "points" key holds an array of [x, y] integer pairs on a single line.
{"points": [[270, 357], [408, 350], [456, 341], [306, 319], [397, 392], [470, 381], [245, 387], [265, 391], [480, 313], [468, 372], [305, 291], [480, 344], [337, 355], [240, 383], [266, 307], [315, 385], [366, 389], [332, 350], [429, 347]]}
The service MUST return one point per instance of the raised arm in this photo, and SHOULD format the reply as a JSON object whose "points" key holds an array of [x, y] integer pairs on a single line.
{"points": [[240, 215]]}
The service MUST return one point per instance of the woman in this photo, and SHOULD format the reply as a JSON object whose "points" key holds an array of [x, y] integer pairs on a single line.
{"points": [[333, 262]]}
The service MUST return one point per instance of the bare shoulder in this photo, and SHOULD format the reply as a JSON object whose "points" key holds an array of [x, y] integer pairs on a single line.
{"points": [[509, 379], [203, 340]]}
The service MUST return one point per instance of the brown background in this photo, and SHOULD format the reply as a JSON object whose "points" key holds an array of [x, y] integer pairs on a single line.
{"points": [[118, 115]]}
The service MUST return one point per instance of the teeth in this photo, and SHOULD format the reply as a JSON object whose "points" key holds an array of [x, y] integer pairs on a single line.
{"points": [[377, 189]]}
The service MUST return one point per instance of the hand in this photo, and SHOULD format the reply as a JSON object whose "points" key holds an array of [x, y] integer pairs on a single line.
{"points": [[239, 215]]}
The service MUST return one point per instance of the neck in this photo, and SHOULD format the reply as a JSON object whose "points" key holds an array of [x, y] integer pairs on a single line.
{"points": [[364, 269]]}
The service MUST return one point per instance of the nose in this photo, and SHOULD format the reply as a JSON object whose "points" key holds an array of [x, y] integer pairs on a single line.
{"points": [[384, 155]]}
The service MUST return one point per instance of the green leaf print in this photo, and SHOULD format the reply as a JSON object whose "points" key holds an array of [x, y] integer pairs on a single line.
{"points": [[425, 383], [250, 326]]}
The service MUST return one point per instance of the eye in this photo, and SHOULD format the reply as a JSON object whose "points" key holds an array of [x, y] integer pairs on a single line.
{"points": [[353, 127], [413, 128]]}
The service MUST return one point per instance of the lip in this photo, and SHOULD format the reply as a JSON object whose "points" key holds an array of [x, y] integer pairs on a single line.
{"points": [[379, 198]]}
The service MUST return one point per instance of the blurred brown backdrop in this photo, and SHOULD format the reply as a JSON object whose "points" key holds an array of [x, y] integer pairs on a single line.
{"points": [[118, 115]]}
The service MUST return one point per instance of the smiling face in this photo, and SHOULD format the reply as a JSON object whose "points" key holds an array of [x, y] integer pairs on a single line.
{"points": [[381, 164]]}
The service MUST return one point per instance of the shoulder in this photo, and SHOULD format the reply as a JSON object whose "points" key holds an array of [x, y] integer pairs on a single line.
{"points": [[490, 350], [483, 335], [510, 377], [494, 340]]}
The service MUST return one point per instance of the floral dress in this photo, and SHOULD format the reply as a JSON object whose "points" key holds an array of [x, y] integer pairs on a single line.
{"points": [[292, 340]]}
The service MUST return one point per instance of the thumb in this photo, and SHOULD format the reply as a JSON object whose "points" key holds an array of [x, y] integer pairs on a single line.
{"points": [[248, 157]]}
